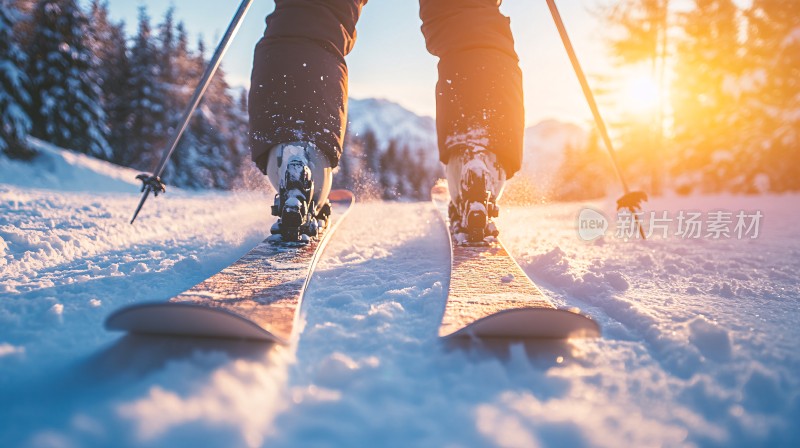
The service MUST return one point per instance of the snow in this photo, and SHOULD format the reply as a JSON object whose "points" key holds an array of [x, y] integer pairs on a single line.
{"points": [[699, 344]]}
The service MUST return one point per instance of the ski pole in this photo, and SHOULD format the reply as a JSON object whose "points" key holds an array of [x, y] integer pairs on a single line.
{"points": [[630, 200], [153, 183]]}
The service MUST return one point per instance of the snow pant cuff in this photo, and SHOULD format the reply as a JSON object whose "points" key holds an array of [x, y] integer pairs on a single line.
{"points": [[290, 76], [479, 103], [479, 94], [299, 82]]}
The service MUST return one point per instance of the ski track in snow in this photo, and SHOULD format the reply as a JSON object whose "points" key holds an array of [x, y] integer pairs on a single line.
{"points": [[698, 347]]}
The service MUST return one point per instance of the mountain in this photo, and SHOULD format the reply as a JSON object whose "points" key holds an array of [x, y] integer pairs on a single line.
{"points": [[389, 152], [390, 121], [545, 144]]}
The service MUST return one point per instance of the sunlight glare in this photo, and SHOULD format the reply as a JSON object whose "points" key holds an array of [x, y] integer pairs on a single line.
{"points": [[640, 94]]}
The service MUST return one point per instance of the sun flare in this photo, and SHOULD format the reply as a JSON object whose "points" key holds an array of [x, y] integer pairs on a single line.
{"points": [[640, 94]]}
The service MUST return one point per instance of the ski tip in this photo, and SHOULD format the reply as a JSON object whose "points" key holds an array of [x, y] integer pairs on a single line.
{"points": [[183, 319], [529, 323]]}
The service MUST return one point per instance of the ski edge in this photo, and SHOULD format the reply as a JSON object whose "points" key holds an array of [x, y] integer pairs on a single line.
{"points": [[159, 315]]}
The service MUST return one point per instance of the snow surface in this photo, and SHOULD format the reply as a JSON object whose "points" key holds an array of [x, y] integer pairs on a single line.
{"points": [[699, 345]]}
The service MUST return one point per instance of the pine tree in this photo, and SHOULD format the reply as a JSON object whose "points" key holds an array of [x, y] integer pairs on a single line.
{"points": [[109, 44], [213, 147], [15, 124], [186, 69], [167, 46], [146, 95], [14, 97], [67, 108]]}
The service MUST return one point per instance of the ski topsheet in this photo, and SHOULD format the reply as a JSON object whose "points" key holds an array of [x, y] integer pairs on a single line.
{"points": [[257, 297], [490, 296]]}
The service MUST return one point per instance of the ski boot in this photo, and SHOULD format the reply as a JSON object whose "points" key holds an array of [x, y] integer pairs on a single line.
{"points": [[301, 205], [475, 180]]}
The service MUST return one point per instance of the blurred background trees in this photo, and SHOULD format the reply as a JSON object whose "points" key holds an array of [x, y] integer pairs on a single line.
{"points": [[727, 83]]}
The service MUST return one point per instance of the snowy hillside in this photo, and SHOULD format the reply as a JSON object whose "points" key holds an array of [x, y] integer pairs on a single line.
{"points": [[699, 345], [65, 170]]}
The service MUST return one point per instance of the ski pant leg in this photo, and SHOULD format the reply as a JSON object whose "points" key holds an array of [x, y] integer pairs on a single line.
{"points": [[298, 86], [479, 93]]}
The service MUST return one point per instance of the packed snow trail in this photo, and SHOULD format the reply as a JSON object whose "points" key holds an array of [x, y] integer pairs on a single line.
{"points": [[699, 343]]}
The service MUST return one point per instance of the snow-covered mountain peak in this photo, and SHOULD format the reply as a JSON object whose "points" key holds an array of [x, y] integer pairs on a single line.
{"points": [[390, 121]]}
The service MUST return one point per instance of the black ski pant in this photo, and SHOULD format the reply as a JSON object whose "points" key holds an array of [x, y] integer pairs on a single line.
{"points": [[299, 81]]}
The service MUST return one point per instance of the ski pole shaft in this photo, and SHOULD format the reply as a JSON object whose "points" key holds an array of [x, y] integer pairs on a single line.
{"points": [[205, 81], [145, 194], [587, 91]]}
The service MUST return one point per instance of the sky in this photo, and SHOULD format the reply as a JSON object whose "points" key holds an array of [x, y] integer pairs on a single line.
{"points": [[390, 60]]}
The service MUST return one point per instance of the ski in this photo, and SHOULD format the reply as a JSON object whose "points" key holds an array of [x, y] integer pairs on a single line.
{"points": [[257, 297], [490, 296]]}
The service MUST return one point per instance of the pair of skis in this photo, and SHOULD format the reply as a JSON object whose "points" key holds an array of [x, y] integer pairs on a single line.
{"points": [[259, 296]]}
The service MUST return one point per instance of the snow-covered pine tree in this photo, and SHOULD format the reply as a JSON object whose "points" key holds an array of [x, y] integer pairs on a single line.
{"points": [[67, 108], [15, 124], [109, 44], [211, 153], [146, 125], [167, 47]]}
